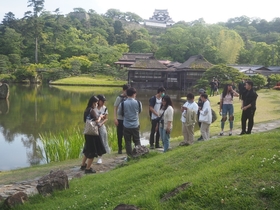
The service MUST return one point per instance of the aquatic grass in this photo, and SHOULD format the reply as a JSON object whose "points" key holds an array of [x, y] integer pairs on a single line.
{"points": [[67, 144], [112, 137], [62, 146]]}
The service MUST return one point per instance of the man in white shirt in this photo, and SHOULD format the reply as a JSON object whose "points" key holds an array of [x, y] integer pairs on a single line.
{"points": [[188, 118], [154, 107]]}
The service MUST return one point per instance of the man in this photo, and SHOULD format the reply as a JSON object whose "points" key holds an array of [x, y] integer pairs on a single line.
{"points": [[241, 88], [248, 106], [189, 111], [200, 105], [130, 109], [118, 119], [205, 117], [154, 107], [212, 87]]}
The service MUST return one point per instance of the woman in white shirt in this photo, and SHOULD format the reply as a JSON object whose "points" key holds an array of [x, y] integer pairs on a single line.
{"points": [[165, 124], [101, 109], [226, 107]]}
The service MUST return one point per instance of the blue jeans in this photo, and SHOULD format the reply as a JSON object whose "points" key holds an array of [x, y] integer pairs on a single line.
{"points": [[165, 137], [227, 109]]}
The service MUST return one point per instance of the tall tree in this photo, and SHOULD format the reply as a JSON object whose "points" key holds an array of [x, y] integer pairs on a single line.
{"points": [[38, 6]]}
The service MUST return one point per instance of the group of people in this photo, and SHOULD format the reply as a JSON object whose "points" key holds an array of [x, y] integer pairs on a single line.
{"points": [[126, 118]]}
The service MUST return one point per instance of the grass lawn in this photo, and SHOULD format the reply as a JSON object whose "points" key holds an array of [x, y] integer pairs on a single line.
{"points": [[98, 80], [238, 172]]}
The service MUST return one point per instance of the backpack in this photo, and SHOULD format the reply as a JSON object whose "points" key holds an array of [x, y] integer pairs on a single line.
{"points": [[214, 116], [122, 107], [152, 101]]}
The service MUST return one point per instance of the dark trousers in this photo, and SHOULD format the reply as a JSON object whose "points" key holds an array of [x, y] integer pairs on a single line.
{"points": [[131, 133], [247, 115], [212, 91], [152, 135], [120, 133]]}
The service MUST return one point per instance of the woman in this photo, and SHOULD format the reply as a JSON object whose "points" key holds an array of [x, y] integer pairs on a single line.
{"points": [[101, 109], [93, 144], [165, 125], [205, 117], [226, 107]]}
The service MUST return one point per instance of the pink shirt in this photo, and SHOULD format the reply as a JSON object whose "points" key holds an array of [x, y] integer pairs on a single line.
{"points": [[228, 99]]}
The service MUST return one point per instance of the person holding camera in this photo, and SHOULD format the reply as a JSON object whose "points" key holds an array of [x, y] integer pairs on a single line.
{"points": [[189, 114]]}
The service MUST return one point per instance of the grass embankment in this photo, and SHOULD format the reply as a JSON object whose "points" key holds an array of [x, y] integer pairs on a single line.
{"points": [[97, 80], [238, 172]]}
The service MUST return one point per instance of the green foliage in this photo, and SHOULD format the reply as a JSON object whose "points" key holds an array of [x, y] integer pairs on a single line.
{"points": [[141, 46], [225, 74], [273, 79], [258, 80]]}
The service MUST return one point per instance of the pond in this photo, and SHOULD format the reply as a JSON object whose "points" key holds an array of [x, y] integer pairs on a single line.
{"points": [[32, 110]]}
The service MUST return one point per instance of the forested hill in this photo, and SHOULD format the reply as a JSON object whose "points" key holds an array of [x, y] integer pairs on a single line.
{"points": [[84, 42]]}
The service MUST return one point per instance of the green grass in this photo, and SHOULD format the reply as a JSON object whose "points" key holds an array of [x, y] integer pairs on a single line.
{"points": [[98, 80], [238, 172]]}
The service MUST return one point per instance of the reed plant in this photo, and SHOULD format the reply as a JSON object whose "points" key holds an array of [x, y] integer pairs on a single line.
{"points": [[62, 146], [68, 144]]}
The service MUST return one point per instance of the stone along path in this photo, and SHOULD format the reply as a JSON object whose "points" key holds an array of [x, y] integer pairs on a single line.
{"points": [[29, 186]]}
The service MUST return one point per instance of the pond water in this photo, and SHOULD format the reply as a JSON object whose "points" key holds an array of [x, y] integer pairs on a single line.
{"points": [[32, 110]]}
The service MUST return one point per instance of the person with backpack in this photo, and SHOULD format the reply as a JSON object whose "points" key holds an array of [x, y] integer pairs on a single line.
{"points": [[154, 107], [226, 107], [130, 110], [118, 119], [205, 117]]}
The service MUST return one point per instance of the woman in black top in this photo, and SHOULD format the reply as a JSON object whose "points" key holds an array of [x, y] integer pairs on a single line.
{"points": [[93, 144]]}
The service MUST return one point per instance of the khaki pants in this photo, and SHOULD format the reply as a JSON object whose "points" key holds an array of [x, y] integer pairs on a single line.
{"points": [[188, 133], [205, 132]]}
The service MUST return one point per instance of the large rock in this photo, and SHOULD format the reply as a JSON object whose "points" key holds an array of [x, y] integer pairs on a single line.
{"points": [[139, 151], [15, 199], [4, 90], [126, 207], [56, 180]]}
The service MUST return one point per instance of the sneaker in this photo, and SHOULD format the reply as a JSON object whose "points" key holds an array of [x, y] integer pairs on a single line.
{"points": [[99, 161], [120, 151], [158, 146], [83, 167], [230, 134], [152, 147], [184, 144], [248, 132], [242, 133], [90, 171], [200, 138], [221, 133]]}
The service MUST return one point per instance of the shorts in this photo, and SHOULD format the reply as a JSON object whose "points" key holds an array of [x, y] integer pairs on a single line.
{"points": [[227, 109]]}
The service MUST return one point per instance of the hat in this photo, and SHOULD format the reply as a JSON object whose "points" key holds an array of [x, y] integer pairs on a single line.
{"points": [[101, 97], [201, 90]]}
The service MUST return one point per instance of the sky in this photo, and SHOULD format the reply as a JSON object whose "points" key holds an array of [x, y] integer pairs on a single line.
{"points": [[212, 11]]}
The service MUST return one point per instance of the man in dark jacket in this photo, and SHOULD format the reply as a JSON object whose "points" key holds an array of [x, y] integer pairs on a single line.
{"points": [[249, 98]]}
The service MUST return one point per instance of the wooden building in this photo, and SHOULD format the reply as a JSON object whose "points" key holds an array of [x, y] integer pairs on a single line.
{"points": [[129, 59], [191, 71], [150, 73]]}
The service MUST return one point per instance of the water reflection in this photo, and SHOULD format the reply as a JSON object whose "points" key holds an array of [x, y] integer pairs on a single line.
{"points": [[4, 106], [34, 110]]}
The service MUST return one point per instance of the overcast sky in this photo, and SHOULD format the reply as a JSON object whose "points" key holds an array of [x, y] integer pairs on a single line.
{"points": [[212, 11]]}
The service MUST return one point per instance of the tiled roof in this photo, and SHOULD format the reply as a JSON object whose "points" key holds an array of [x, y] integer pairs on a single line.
{"points": [[195, 62], [147, 64], [133, 56]]}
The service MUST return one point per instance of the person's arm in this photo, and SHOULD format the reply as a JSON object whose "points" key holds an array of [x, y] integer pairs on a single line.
{"points": [[116, 122], [151, 106], [221, 103]]}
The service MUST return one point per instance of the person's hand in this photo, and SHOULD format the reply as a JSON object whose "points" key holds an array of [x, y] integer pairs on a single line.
{"points": [[116, 122], [244, 108], [168, 130]]}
